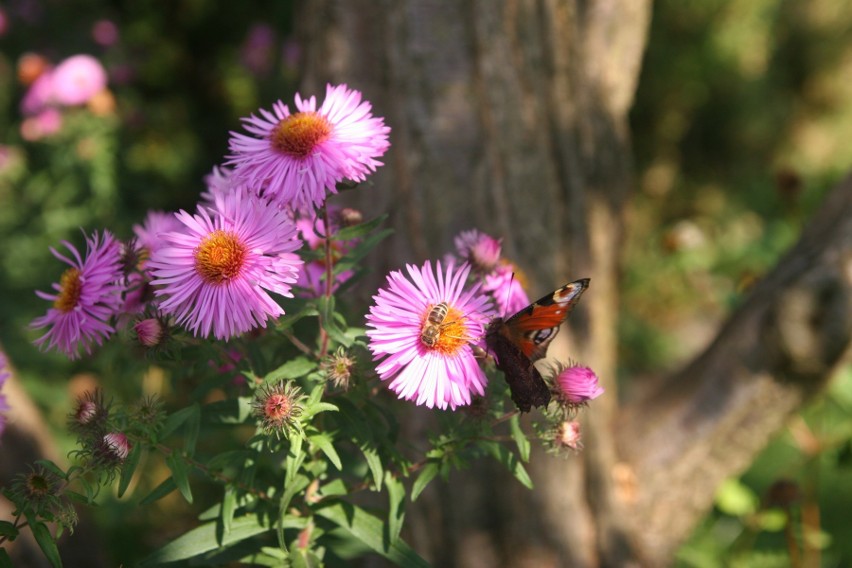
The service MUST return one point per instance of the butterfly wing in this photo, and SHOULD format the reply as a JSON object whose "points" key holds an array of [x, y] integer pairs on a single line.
{"points": [[533, 328], [523, 338]]}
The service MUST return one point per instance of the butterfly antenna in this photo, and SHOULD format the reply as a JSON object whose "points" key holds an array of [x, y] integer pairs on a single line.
{"points": [[508, 295]]}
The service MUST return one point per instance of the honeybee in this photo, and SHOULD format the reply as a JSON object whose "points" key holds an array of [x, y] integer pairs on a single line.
{"points": [[432, 328]]}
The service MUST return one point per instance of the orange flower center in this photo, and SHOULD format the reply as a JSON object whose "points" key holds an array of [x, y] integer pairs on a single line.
{"points": [[446, 336], [219, 257], [70, 288], [299, 133], [277, 407]]}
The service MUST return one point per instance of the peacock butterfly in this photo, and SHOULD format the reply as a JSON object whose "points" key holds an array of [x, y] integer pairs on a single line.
{"points": [[522, 339]]}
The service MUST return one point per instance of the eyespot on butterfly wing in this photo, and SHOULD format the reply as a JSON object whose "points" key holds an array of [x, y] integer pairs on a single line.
{"points": [[522, 339]]}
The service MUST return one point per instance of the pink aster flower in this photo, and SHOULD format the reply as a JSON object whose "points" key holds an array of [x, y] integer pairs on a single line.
{"points": [[78, 79], [216, 275], [4, 375], [480, 250], [297, 159], [504, 285], [150, 233], [220, 182], [87, 296], [39, 94], [576, 385], [312, 230], [422, 329]]}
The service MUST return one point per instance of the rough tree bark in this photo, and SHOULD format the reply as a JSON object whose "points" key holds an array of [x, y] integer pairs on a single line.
{"points": [[511, 117]]}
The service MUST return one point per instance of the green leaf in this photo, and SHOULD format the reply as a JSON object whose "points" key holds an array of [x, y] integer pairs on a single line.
{"points": [[203, 539], [335, 487], [396, 509], [128, 468], [301, 558], [8, 530], [5, 561], [510, 461], [174, 421], [314, 409], [292, 369], [324, 443], [520, 438], [229, 506], [167, 486], [180, 474], [52, 468], [427, 474], [370, 530], [358, 231], [295, 458], [46, 543], [193, 426], [362, 249], [374, 462], [231, 411]]}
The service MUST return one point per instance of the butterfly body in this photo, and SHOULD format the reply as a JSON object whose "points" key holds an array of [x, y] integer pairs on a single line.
{"points": [[520, 340]]}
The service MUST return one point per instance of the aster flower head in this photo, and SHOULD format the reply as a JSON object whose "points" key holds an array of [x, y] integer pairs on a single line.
{"points": [[313, 230], [90, 413], [87, 296], [576, 385], [149, 235], [297, 159], [220, 182], [566, 436], [338, 368], [422, 329], [114, 448], [278, 408], [215, 276], [77, 79], [480, 250], [4, 375], [150, 332], [505, 285]]}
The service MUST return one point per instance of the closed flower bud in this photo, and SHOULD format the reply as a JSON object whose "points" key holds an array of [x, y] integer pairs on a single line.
{"points": [[149, 332]]}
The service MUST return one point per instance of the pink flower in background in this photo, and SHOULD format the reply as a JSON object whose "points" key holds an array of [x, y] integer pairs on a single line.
{"points": [[480, 250], [312, 230], [428, 361], [77, 79], [43, 124], [39, 94], [4, 375], [219, 182], [576, 385], [87, 296], [215, 276], [105, 33], [297, 159], [505, 288], [257, 50], [150, 233]]}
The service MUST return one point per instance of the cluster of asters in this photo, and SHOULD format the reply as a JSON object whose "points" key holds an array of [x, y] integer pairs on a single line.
{"points": [[214, 271]]}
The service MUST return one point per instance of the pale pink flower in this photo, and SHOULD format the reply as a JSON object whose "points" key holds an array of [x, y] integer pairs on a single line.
{"points": [[77, 79], [297, 159], [422, 328], [215, 276], [480, 250]]}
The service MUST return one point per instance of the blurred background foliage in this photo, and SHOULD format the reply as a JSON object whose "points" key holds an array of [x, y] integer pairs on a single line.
{"points": [[741, 124]]}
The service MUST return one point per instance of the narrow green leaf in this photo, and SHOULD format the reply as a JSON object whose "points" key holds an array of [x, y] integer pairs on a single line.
{"points": [[193, 426], [174, 421], [202, 539], [5, 561], [229, 506], [324, 443], [333, 488], [167, 486], [128, 468], [292, 369], [295, 457], [46, 543], [427, 474], [358, 231], [354, 256], [79, 497], [374, 462], [370, 530], [180, 474], [53, 468], [314, 409], [510, 461], [8, 530], [396, 508], [520, 438]]}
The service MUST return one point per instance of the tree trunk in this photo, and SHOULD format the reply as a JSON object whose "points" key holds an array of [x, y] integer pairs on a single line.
{"points": [[511, 117]]}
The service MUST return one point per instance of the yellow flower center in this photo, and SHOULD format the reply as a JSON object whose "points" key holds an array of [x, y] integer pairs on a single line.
{"points": [[219, 257], [70, 288], [447, 335], [299, 133]]}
